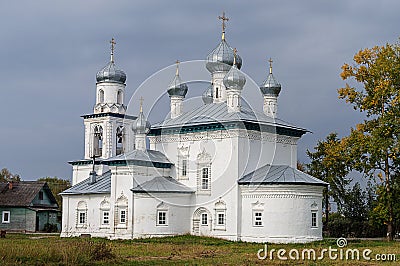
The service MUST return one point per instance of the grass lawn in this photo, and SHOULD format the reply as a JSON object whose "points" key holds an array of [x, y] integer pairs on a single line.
{"points": [[17, 249]]}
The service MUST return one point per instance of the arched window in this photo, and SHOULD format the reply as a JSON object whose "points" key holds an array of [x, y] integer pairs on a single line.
{"points": [[216, 93], [120, 140], [204, 173], [220, 215], [98, 140], [119, 97], [105, 213], [101, 96], [81, 214], [121, 212]]}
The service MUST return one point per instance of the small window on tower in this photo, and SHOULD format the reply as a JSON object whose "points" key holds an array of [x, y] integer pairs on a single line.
{"points": [[40, 195], [119, 97], [120, 140], [101, 96], [216, 92], [98, 140]]}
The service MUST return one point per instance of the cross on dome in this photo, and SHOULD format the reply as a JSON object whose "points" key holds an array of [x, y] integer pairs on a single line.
{"points": [[177, 67], [112, 42], [270, 65], [223, 18], [141, 104]]}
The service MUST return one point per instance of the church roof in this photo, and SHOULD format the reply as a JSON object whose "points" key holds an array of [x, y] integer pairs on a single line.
{"points": [[162, 184], [138, 157], [218, 113], [101, 186], [279, 174]]}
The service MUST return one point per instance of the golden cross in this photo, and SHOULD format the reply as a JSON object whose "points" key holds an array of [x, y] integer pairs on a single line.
{"points": [[141, 104], [177, 67], [112, 49], [223, 18], [270, 65]]}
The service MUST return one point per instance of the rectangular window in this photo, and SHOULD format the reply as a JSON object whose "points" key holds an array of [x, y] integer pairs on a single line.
{"points": [[5, 217], [106, 217], [204, 178], [40, 195], [184, 167], [313, 219], [162, 218], [221, 219], [204, 219], [122, 216], [257, 220], [82, 218]]}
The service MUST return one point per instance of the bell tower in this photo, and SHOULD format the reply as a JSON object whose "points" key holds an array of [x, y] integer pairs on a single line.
{"points": [[108, 130]]}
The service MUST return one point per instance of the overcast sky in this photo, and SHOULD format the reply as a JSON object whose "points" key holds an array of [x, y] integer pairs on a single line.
{"points": [[51, 50]]}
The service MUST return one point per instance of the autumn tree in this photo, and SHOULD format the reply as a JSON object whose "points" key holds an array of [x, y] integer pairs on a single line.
{"points": [[373, 144], [330, 163], [56, 185], [7, 176]]}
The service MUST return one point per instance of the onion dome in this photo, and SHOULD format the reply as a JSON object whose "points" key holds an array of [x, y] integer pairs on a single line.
{"points": [[234, 79], [221, 58], [177, 87], [270, 86], [141, 125], [208, 95], [110, 73]]}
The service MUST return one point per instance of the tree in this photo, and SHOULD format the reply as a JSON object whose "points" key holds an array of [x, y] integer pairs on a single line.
{"points": [[7, 176], [330, 163], [373, 145], [56, 185]]}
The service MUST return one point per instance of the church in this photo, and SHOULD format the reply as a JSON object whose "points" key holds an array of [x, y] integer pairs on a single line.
{"points": [[220, 169]]}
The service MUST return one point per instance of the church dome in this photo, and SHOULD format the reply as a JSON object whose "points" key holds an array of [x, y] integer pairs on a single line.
{"points": [[177, 87], [110, 73], [234, 79], [270, 86], [221, 58], [208, 95], [141, 125]]}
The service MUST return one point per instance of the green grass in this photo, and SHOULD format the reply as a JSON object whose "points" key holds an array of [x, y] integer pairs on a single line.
{"points": [[20, 249]]}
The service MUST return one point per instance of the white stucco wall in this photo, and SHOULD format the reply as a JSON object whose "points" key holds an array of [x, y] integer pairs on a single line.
{"points": [[286, 213]]}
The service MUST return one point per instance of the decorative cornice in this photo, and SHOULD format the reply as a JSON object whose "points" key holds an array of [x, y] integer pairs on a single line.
{"points": [[224, 134], [124, 116]]}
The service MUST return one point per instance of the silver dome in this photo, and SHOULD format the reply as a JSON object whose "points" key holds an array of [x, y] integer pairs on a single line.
{"points": [[234, 79], [110, 73], [270, 86], [208, 95], [141, 125], [177, 87], [221, 58]]}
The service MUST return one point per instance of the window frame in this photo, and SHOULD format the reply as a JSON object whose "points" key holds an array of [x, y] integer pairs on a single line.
{"points": [[204, 222], [184, 167], [80, 215], [205, 178], [162, 218], [219, 214], [258, 219], [105, 218], [314, 219], [4, 221], [122, 216]]}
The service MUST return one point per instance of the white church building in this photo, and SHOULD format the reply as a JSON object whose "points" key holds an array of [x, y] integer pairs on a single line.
{"points": [[220, 169]]}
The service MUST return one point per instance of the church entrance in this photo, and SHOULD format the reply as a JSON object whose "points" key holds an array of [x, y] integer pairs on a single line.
{"points": [[202, 222]]}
